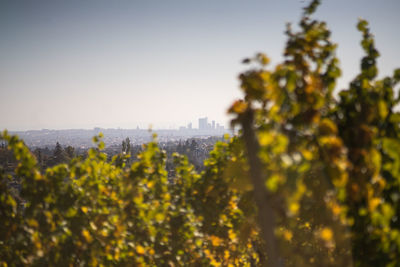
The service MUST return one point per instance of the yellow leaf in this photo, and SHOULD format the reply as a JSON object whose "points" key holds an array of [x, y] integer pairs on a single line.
{"points": [[160, 217], [288, 235], [382, 109], [326, 234], [226, 254], [294, 208], [87, 236], [150, 184], [373, 203], [32, 223], [36, 240], [262, 58], [140, 250], [274, 181], [307, 154], [232, 204], [232, 235], [104, 232], [151, 251], [266, 138], [215, 263], [327, 127], [215, 240], [238, 107]]}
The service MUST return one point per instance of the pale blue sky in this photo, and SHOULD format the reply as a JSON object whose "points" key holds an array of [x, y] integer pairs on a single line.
{"points": [[87, 63]]}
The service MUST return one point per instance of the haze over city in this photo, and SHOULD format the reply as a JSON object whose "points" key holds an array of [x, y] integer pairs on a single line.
{"points": [[86, 64]]}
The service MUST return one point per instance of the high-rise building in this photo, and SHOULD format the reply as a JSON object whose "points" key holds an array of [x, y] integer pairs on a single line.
{"points": [[190, 126], [213, 125], [203, 124]]}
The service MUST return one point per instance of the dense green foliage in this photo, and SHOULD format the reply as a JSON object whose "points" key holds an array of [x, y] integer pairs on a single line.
{"points": [[331, 165], [329, 170], [94, 211]]}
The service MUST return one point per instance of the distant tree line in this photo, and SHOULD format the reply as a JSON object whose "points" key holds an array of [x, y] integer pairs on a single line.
{"points": [[196, 149]]}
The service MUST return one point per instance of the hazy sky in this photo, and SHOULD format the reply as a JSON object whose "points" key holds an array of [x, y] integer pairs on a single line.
{"points": [[87, 63]]}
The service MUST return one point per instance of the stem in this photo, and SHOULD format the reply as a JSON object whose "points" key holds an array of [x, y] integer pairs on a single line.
{"points": [[266, 214]]}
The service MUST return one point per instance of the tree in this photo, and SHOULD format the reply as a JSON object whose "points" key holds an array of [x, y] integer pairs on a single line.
{"points": [[70, 151], [321, 159], [59, 155], [91, 212]]}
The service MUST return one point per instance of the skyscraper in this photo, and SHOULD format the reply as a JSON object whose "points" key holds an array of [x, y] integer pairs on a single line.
{"points": [[203, 123]]}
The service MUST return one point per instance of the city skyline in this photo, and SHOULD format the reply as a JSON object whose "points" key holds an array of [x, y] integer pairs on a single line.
{"points": [[188, 125], [113, 136]]}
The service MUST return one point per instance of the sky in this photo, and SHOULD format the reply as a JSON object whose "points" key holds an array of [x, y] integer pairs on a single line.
{"points": [[164, 63]]}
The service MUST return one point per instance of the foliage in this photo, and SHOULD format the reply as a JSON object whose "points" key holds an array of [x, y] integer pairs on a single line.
{"points": [[94, 212], [311, 180], [330, 166]]}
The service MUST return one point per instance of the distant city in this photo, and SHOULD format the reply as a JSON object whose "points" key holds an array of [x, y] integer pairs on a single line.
{"points": [[204, 125], [82, 138]]}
